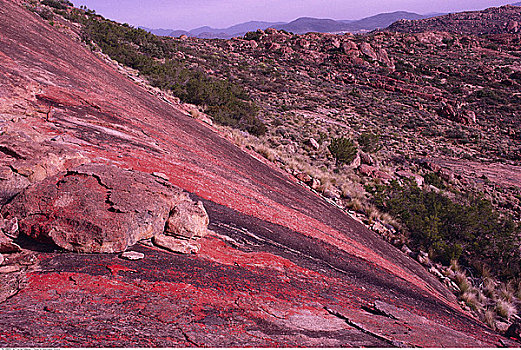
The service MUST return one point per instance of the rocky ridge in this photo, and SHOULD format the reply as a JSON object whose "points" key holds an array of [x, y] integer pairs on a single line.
{"points": [[495, 20]]}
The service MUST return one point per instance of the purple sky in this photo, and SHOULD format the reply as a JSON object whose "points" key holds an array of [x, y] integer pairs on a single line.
{"points": [[189, 14]]}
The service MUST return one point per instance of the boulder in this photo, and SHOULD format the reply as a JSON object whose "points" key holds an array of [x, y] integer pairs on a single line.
{"points": [[383, 57], [366, 158], [24, 161], [409, 175], [186, 224], [366, 170], [348, 46], [187, 220], [368, 50], [98, 208]]}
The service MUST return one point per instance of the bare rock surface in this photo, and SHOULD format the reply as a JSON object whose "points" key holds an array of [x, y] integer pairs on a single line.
{"points": [[278, 259], [103, 209], [25, 160]]}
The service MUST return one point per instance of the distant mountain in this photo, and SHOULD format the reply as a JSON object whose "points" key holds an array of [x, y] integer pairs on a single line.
{"points": [[307, 24], [494, 20], [160, 32], [298, 26], [382, 20]]}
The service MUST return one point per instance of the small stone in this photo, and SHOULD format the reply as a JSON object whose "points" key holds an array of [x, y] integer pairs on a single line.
{"points": [[9, 269], [406, 250], [332, 193], [176, 245], [10, 227], [131, 255], [304, 177], [314, 143], [315, 184]]}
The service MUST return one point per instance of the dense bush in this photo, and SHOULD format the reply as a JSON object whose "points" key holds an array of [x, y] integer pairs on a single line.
{"points": [[470, 231], [369, 142], [57, 4], [343, 149]]}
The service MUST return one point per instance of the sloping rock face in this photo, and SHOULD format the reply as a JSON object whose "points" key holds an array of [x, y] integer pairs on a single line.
{"points": [[281, 267], [104, 209]]}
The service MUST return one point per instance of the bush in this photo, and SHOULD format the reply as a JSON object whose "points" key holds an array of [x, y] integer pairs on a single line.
{"points": [[369, 142], [57, 4], [470, 231], [344, 150]]}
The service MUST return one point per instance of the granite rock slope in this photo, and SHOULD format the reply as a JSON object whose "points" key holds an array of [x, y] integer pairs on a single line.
{"points": [[280, 267]]}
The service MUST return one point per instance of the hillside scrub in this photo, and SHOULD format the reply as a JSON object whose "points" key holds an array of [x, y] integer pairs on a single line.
{"points": [[344, 150], [228, 103], [470, 231]]}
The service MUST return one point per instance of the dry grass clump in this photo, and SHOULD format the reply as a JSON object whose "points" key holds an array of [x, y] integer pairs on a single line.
{"points": [[489, 317], [505, 309], [266, 152], [489, 287], [470, 298], [461, 281]]}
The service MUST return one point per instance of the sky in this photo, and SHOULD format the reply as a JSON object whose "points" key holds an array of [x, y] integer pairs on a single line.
{"points": [[190, 14]]}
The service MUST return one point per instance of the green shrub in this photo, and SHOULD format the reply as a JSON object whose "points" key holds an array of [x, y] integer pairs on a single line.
{"points": [[343, 149], [470, 230], [369, 142], [57, 4]]}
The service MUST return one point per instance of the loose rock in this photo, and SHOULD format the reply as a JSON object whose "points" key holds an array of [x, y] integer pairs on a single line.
{"points": [[7, 246], [131, 255]]}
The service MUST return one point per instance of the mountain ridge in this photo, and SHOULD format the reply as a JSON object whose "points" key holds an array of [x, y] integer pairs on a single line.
{"points": [[300, 25], [494, 20]]}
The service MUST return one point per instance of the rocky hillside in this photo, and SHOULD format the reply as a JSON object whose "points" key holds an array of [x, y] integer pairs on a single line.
{"points": [[415, 135], [495, 20], [129, 221]]}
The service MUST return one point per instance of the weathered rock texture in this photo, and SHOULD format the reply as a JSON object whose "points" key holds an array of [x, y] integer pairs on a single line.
{"points": [[104, 209], [282, 268]]}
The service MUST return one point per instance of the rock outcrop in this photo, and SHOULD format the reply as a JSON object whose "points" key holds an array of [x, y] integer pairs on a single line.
{"points": [[105, 209], [494, 20]]}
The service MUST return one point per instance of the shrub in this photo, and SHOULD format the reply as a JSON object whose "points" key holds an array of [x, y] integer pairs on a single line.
{"points": [[57, 4], [369, 142], [470, 230], [343, 149]]}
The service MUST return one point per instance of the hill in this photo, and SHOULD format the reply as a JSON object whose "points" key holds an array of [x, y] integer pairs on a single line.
{"points": [[495, 20], [96, 160]]}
